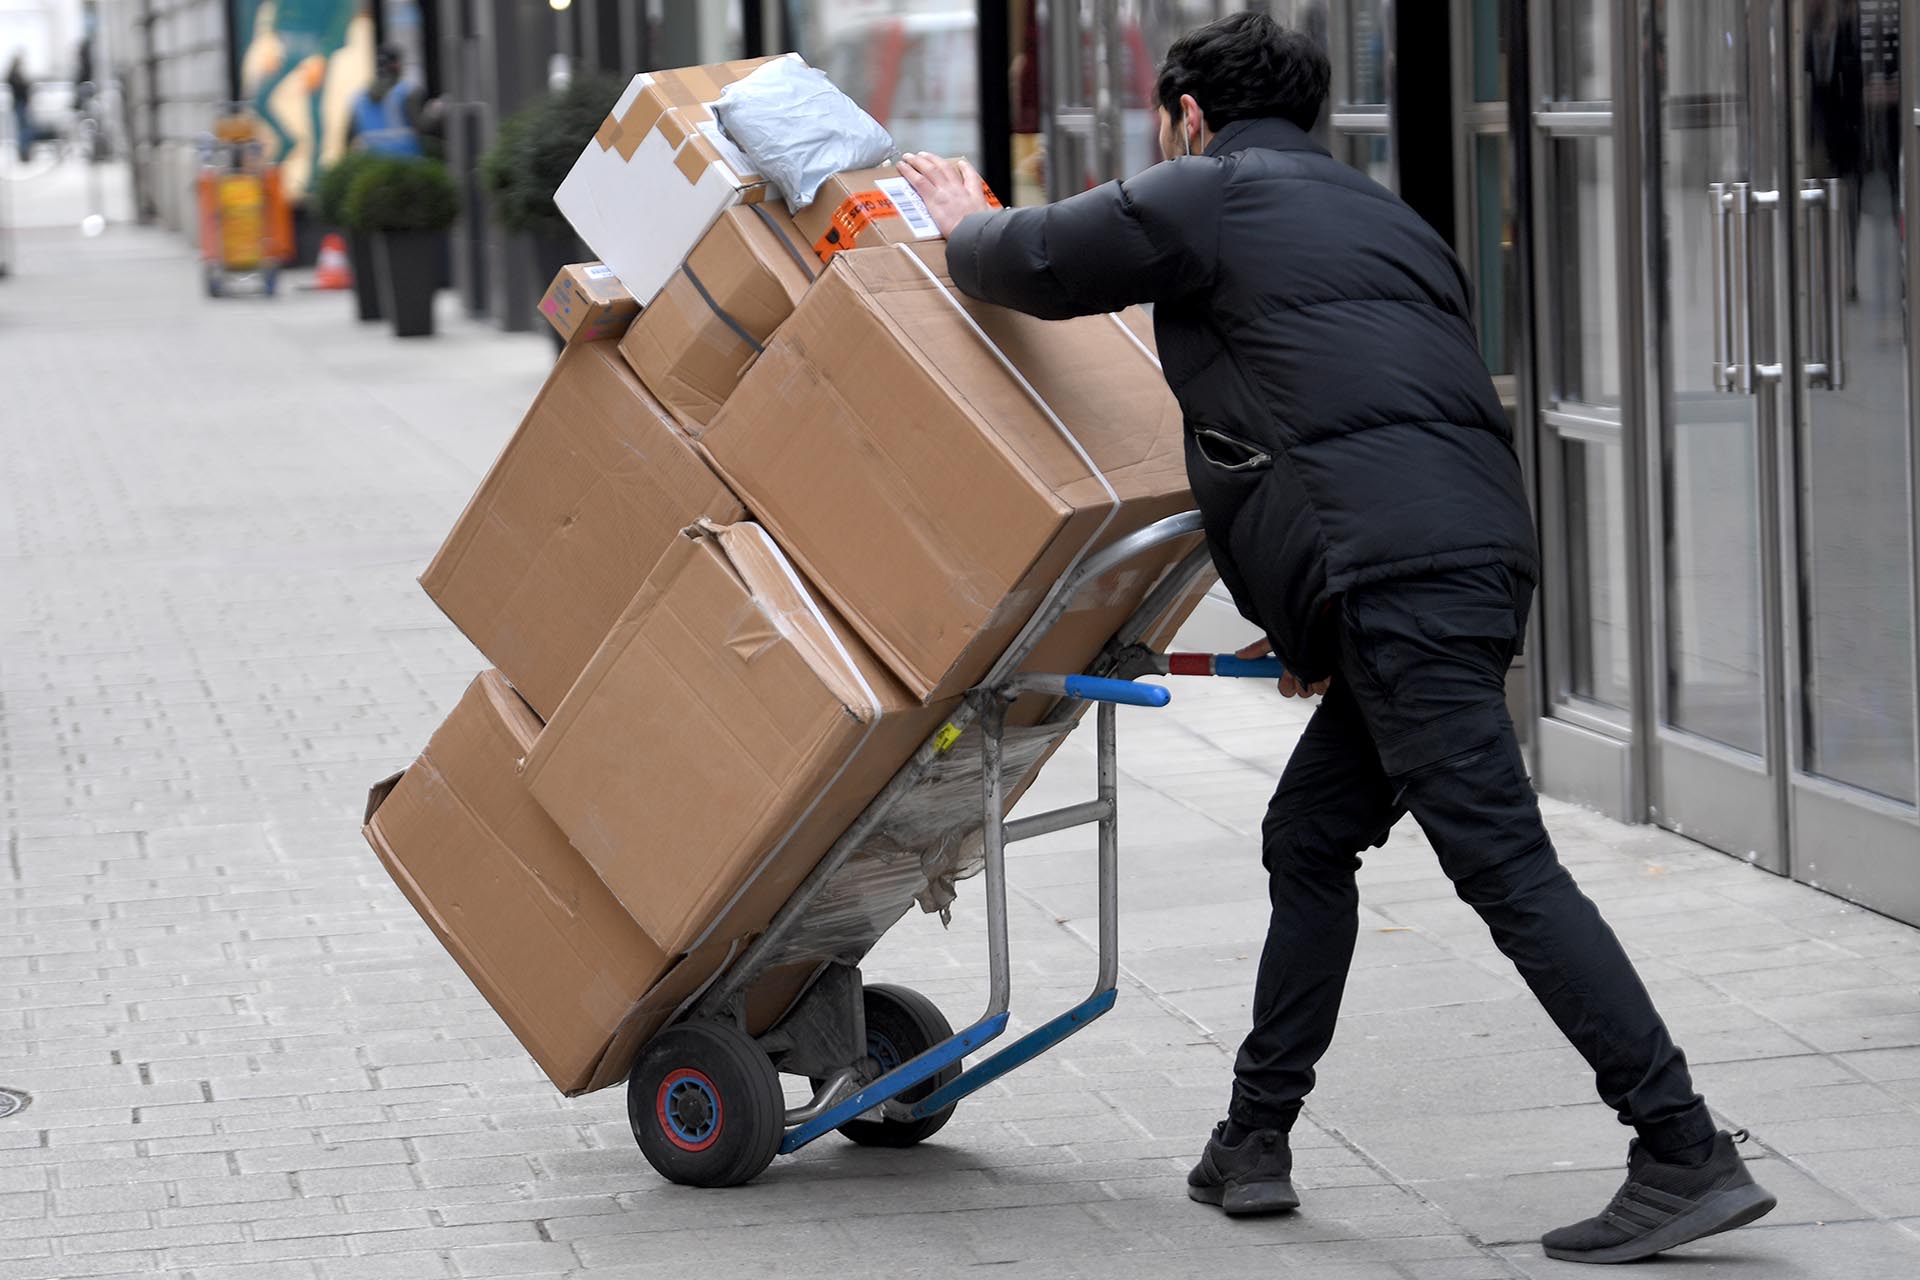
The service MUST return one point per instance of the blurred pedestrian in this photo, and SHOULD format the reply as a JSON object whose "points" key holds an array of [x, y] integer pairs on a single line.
{"points": [[20, 86], [386, 114]]}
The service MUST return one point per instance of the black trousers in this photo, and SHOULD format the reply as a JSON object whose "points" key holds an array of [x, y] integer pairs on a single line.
{"points": [[1416, 722]]}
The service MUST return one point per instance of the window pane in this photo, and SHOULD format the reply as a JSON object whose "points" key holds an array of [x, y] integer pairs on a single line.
{"points": [[1489, 50], [1496, 284], [1583, 273], [1367, 51], [1370, 154], [911, 65], [1855, 517], [1596, 571], [1715, 673], [1582, 52]]}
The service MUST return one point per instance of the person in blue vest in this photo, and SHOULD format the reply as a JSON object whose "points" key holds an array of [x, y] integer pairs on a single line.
{"points": [[386, 116]]}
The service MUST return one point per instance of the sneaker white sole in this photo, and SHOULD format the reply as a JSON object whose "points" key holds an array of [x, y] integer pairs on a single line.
{"points": [[1722, 1211]]}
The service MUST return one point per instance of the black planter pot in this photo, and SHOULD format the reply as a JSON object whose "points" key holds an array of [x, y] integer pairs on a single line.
{"points": [[366, 276], [408, 266]]}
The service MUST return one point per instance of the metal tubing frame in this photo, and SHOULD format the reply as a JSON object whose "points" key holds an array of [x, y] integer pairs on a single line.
{"points": [[1094, 566], [987, 706]]}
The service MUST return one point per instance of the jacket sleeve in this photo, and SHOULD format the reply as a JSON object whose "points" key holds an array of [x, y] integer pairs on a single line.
{"points": [[1151, 238]]}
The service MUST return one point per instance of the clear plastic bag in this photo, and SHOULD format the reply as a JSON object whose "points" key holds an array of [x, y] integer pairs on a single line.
{"points": [[930, 841], [799, 129]]}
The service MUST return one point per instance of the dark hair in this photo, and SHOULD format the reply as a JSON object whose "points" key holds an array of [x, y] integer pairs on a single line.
{"points": [[1243, 67]]}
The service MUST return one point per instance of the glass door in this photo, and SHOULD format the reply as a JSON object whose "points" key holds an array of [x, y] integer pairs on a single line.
{"points": [[1782, 511], [1850, 519], [1715, 169]]}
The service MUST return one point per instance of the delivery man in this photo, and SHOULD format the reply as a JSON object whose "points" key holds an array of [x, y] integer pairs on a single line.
{"points": [[1364, 506]]}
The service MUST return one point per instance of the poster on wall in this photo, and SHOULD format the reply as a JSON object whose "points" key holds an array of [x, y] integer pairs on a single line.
{"points": [[302, 64]]}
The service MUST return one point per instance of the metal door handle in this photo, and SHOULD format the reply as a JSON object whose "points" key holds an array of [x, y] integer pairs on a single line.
{"points": [[1749, 373], [1825, 194], [1722, 296]]}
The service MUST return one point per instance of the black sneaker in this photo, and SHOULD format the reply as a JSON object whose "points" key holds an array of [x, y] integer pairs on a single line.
{"points": [[1253, 1177], [1664, 1205]]}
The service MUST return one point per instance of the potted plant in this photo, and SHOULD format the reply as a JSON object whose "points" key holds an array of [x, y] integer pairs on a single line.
{"points": [[532, 153], [406, 203], [330, 203]]}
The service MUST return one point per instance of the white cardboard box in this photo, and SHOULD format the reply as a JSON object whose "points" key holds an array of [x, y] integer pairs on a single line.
{"points": [[658, 173]]}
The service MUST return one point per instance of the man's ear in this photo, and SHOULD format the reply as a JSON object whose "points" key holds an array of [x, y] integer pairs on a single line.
{"points": [[1193, 121]]}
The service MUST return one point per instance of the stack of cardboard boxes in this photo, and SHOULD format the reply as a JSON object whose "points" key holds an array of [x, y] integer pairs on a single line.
{"points": [[786, 496]]}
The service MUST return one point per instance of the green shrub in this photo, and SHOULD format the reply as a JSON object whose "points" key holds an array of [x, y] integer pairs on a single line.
{"points": [[535, 148], [330, 192], [401, 193]]}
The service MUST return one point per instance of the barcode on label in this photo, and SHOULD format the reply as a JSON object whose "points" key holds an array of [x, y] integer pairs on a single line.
{"points": [[912, 211], [598, 271]]}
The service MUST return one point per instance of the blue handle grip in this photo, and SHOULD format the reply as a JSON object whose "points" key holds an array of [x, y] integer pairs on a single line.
{"points": [[1125, 692], [1258, 668]]}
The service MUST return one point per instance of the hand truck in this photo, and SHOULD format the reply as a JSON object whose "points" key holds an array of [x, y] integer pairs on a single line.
{"points": [[242, 211], [704, 1098]]}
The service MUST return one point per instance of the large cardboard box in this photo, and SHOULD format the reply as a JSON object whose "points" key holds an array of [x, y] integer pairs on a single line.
{"points": [[935, 463], [720, 309], [586, 302], [553, 952], [577, 981], [657, 173], [861, 208], [592, 488], [721, 740]]}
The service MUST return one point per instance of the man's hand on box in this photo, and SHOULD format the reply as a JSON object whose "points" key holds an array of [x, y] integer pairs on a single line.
{"points": [[950, 191], [1289, 687]]}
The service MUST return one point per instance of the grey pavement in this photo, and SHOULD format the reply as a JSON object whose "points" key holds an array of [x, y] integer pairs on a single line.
{"points": [[247, 1058]]}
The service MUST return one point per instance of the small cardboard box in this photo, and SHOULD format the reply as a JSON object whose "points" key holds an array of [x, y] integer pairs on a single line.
{"points": [[553, 952], [935, 463], [865, 207], [595, 484], [657, 173], [700, 333], [724, 736], [586, 302]]}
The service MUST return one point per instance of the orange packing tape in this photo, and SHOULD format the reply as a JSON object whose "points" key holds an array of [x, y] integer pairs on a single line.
{"points": [[861, 210], [855, 214]]}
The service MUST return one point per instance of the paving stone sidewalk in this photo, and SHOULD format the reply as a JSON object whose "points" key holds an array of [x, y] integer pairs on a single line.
{"points": [[247, 1058]]}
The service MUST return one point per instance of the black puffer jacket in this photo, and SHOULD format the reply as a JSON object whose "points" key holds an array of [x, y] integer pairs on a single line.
{"points": [[1341, 425]]}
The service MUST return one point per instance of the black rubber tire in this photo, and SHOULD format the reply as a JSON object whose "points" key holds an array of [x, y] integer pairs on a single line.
{"points": [[216, 282], [705, 1105], [902, 1024]]}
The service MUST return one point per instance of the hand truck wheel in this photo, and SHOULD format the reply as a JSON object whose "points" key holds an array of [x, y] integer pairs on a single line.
{"points": [[705, 1105], [216, 281], [901, 1025]]}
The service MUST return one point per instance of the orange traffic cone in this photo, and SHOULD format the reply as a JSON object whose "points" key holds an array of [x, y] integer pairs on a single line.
{"points": [[330, 269]]}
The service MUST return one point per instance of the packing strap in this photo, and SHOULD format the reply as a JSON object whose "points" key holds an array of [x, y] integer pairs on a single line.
{"points": [[809, 265], [1039, 402], [1134, 338], [739, 330]]}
